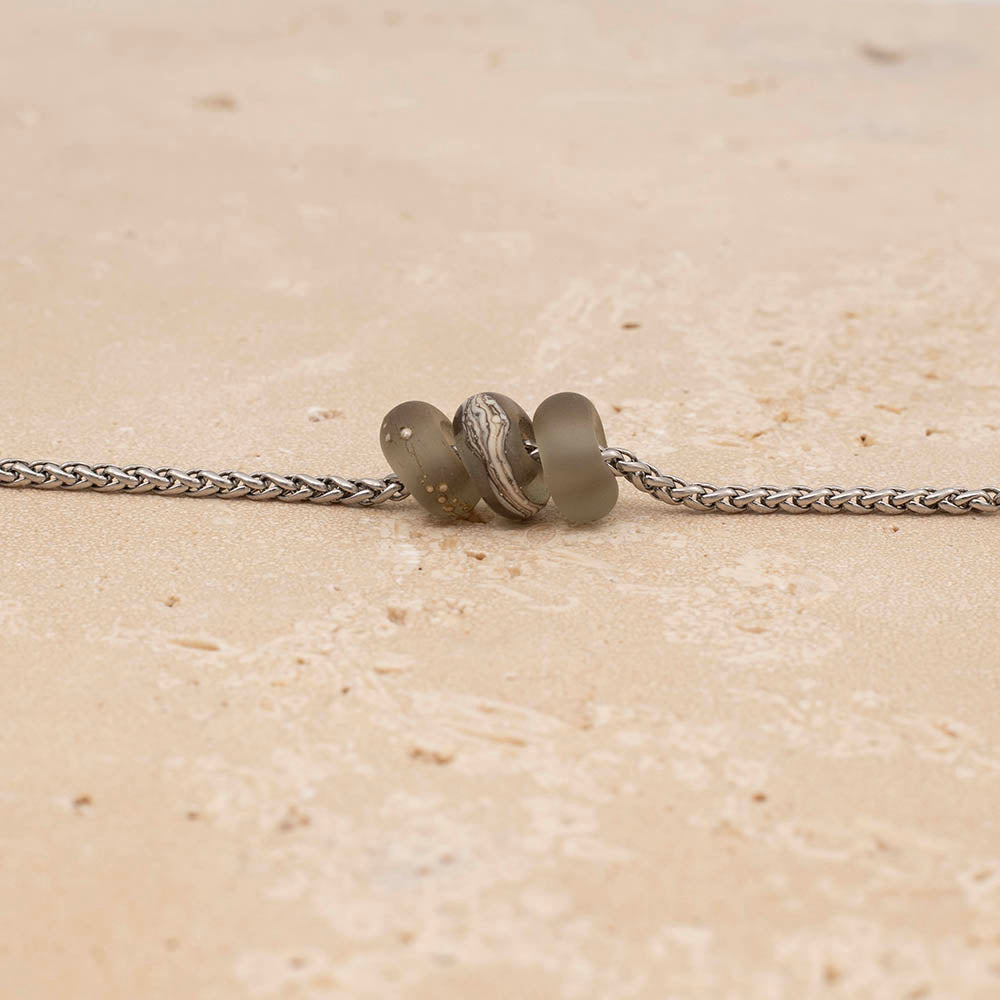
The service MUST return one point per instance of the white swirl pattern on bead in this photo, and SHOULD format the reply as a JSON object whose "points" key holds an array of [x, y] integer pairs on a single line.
{"points": [[487, 431]]}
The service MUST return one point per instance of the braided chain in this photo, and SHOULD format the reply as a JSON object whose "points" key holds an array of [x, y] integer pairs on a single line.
{"points": [[343, 490], [358, 492], [798, 499]]}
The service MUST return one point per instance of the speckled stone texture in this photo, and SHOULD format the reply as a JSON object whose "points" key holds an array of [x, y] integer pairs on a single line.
{"points": [[276, 751]]}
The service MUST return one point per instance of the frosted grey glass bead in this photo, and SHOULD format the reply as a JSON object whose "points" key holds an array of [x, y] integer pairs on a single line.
{"points": [[490, 431], [418, 443], [570, 436]]}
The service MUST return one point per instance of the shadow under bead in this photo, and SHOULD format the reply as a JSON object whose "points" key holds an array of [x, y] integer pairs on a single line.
{"points": [[418, 444], [570, 438], [490, 430]]}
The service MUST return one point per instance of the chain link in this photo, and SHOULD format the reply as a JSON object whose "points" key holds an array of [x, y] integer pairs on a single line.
{"points": [[798, 499], [349, 491], [344, 490]]}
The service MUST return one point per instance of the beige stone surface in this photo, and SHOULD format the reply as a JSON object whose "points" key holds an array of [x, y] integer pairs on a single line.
{"points": [[274, 751]]}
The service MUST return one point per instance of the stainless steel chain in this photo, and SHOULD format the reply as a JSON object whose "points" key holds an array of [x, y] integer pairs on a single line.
{"points": [[349, 491], [799, 499], [345, 490]]}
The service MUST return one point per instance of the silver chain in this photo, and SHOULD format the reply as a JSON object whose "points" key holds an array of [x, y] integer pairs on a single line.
{"points": [[345, 490], [798, 499], [349, 491]]}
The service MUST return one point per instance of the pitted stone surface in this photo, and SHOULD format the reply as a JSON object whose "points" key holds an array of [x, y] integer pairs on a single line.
{"points": [[269, 752]]}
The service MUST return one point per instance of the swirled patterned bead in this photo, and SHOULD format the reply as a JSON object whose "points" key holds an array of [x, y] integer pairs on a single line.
{"points": [[490, 432]]}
